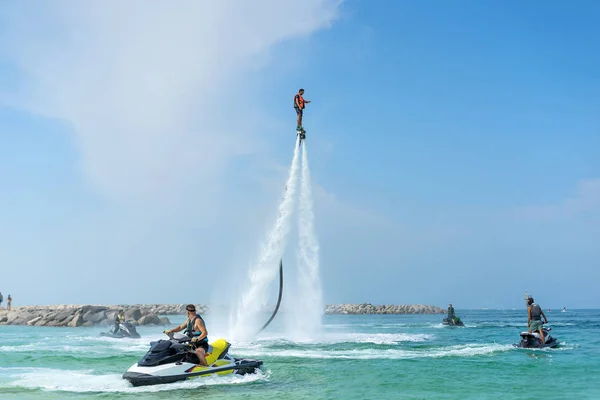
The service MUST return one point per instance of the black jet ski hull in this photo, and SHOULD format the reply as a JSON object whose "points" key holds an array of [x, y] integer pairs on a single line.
{"points": [[124, 330], [536, 344], [532, 340], [120, 335], [243, 367], [446, 322]]}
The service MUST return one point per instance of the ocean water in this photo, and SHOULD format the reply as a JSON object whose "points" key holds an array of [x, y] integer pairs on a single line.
{"points": [[355, 357]]}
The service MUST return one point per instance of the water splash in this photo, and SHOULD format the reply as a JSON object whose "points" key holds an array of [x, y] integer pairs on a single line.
{"points": [[245, 320], [305, 320]]}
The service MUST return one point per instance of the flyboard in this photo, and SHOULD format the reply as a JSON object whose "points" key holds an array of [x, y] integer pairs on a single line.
{"points": [[302, 134]]}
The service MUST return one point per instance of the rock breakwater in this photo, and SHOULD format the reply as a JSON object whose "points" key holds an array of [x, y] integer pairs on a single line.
{"points": [[150, 314], [368, 308], [91, 315]]}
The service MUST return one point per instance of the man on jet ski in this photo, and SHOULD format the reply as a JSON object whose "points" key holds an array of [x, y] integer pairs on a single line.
{"points": [[119, 318], [451, 315], [196, 329], [534, 320]]}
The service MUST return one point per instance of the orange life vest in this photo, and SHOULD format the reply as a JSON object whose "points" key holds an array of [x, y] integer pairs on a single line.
{"points": [[300, 101]]}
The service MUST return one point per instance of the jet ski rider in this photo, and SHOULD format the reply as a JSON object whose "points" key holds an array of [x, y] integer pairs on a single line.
{"points": [[451, 314], [196, 329], [119, 318], [534, 320]]}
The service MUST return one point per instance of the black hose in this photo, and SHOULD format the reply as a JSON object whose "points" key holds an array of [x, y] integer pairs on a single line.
{"points": [[278, 299]]}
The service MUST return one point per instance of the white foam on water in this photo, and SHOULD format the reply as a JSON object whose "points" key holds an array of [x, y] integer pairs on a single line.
{"points": [[467, 350], [86, 381], [385, 338], [85, 345], [330, 338]]}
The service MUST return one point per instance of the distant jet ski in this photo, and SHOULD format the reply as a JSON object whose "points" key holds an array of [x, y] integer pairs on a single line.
{"points": [[453, 322], [124, 330], [532, 340]]}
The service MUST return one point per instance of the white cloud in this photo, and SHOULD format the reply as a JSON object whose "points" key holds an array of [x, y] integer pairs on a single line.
{"points": [[584, 202], [152, 90]]}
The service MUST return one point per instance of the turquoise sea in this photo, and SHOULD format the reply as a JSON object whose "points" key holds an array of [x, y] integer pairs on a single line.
{"points": [[356, 357]]}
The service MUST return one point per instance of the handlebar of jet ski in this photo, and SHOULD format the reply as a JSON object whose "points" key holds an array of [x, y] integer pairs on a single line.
{"points": [[186, 339]]}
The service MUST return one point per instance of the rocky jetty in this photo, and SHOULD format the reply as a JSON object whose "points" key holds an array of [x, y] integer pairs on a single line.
{"points": [[149, 314], [91, 315], [368, 308]]}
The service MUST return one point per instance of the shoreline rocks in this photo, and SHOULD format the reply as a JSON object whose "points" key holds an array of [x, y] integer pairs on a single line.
{"points": [[149, 314], [91, 315], [368, 308]]}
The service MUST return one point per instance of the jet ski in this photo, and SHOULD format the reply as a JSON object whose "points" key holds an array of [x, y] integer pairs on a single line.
{"points": [[173, 360], [453, 322], [532, 340], [124, 330]]}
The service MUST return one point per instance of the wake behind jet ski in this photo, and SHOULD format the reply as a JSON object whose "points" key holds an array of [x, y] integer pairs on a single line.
{"points": [[532, 340], [122, 330], [175, 360]]}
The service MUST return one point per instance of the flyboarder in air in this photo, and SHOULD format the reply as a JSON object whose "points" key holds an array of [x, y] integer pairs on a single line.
{"points": [[299, 104]]}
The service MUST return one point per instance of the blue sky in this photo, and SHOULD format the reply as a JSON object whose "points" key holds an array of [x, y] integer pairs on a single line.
{"points": [[454, 149]]}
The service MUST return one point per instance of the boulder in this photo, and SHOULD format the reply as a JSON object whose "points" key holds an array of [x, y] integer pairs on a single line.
{"points": [[133, 314], [149, 320], [33, 321], [93, 309], [63, 316], [94, 316], [76, 321]]}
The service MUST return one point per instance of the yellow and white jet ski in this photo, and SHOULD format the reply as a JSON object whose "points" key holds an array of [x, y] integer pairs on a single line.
{"points": [[173, 360]]}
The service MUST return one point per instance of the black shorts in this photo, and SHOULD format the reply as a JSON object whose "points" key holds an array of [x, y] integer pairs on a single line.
{"points": [[298, 111], [201, 344]]}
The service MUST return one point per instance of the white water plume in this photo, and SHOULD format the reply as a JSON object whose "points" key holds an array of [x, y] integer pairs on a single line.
{"points": [[308, 307], [264, 271]]}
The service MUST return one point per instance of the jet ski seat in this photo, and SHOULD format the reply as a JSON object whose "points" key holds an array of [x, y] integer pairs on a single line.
{"points": [[217, 350]]}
